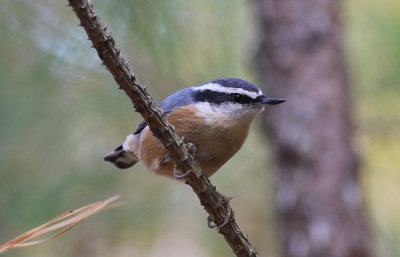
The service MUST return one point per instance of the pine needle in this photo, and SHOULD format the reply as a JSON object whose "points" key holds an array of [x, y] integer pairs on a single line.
{"points": [[65, 222]]}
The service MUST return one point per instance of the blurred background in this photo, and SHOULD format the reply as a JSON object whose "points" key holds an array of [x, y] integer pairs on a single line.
{"points": [[60, 112]]}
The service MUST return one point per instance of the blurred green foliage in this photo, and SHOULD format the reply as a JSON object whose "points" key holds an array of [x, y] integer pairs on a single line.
{"points": [[60, 113], [373, 52]]}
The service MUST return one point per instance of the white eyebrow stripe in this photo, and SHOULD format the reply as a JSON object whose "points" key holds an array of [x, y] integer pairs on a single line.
{"points": [[229, 90]]}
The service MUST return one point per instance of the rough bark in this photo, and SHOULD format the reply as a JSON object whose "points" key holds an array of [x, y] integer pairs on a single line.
{"points": [[318, 194], [214, 203]]}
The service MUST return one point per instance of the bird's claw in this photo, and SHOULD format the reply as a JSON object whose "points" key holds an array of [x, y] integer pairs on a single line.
{"points": [[177, 176], [192, 148], [211, 219]]}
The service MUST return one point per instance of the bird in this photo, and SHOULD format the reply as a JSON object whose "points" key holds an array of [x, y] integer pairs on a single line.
{"points": [[215, 117]]}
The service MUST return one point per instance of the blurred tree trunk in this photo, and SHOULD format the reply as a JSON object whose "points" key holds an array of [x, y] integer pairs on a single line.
{"points": [[318, 195]]}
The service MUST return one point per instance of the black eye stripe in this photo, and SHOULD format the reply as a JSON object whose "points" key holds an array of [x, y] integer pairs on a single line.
{"points": [[220, 97], [243, 99], [259, 98], [237, 98]]}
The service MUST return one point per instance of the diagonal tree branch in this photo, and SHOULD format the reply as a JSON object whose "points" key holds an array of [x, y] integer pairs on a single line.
{"points": [[214, 203]]}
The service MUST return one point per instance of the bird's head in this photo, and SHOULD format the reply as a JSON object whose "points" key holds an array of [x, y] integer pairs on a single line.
{"points": [[231, 98]]}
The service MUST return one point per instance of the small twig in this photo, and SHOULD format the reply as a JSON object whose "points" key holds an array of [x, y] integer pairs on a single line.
{"points": [[213, 202]]}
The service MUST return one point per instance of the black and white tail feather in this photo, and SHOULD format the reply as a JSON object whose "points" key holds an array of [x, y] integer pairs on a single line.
{"points": [[121, 159]]}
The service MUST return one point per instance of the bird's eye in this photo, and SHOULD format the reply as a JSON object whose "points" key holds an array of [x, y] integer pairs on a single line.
{"points": [[237, 98]]}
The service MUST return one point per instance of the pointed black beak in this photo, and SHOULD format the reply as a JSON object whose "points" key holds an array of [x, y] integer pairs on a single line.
{"points": [[272, 101]]}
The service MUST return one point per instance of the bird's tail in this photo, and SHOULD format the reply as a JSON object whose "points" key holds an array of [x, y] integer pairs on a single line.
{"points": [[121, 158]]}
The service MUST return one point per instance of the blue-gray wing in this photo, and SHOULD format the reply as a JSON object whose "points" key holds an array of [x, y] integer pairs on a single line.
{"points": [[180, 98], [142, 124]]}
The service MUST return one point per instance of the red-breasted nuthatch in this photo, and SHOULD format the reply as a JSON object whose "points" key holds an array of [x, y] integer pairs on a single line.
{"points": [[215, 117]]}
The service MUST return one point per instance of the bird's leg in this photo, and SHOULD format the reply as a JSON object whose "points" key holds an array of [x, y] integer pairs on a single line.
{"points": [[177, 176], [224, 197], [165, 160], [230, 213], [192, 148]]}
